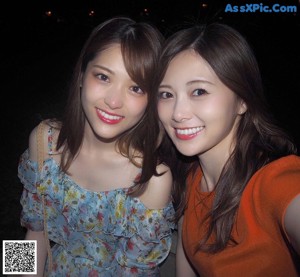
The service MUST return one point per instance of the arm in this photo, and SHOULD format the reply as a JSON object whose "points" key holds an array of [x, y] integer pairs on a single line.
{"points": [[41, 250], [292, 223], [37, 235], [183, 267]]}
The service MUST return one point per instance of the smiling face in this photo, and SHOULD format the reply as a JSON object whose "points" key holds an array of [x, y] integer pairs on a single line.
{"points": [[197, 110], [112, 102]]}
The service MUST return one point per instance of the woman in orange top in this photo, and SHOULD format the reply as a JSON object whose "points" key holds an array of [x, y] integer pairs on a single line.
{"points": [[242, 208]]}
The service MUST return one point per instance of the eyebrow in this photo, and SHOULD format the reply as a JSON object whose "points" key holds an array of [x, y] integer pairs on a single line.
{"points": [[103, 67], [199, 81], [188, 83], [165, 86]]}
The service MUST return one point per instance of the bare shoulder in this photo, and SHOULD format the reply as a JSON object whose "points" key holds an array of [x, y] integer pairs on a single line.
{"points": [[158, 192], [38, 138]]}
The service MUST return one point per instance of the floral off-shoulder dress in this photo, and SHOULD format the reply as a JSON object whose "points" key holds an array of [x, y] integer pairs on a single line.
{"points": [[94, 233]]}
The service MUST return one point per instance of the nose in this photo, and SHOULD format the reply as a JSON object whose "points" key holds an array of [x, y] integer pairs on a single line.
{"points": [[182, 111], [114, 97]]}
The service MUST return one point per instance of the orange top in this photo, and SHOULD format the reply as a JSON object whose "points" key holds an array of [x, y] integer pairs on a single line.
{"points": [[259, 229]]}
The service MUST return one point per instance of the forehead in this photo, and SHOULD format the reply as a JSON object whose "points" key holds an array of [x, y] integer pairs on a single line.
{"points": [[189, 64], [109, 58], [110, 51]]}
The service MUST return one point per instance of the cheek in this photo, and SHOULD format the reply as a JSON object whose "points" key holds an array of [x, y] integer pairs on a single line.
{"points": [[138, 107], [83, 96], [88, 97], [163, 111], [221, 116], [87, 92], [159, 110], [220, 108]]}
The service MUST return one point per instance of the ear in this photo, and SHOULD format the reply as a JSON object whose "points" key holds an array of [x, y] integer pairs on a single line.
{"points": [[243, 108]]}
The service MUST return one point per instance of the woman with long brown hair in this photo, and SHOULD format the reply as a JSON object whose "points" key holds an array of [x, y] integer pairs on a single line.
{"points": [[241, 195], [101, 196]]}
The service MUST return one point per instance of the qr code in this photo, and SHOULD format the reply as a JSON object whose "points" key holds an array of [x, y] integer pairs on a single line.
{"points": [[19, 257]]}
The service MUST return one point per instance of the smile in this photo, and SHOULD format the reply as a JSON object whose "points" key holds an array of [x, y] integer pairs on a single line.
{"points": [[188, 133], [109, 118]]}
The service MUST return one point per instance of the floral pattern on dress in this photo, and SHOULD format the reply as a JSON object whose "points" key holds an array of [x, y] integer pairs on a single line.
{"points": [[95, 233]]}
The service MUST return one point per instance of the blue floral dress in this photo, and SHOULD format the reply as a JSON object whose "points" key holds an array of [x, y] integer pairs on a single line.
{"points": [[95, 233]]}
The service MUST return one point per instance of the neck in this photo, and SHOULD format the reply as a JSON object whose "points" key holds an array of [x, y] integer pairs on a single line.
{"points": [[211, 174]]}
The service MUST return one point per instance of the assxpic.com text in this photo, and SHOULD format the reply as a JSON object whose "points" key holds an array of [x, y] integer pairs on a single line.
{"points": [[260, 8]]}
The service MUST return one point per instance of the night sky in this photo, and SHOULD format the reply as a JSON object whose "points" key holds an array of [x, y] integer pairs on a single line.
{"points": [[38, 53]]}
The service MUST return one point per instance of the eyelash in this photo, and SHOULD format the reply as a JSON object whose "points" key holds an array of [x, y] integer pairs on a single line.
{"points": [[196, 92], [103, 77], [140, 91], [164, 95], [202, 91]]}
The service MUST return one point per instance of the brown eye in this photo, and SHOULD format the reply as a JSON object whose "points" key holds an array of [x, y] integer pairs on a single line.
{"points": [[103, 77], [164, 95], [199, 91], [137, 89]]}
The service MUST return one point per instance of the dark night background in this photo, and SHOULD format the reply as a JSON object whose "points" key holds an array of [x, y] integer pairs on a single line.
{"points": [[38, 53]]}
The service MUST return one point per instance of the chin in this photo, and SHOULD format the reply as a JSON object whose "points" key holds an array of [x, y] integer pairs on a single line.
{"points": [[187, 152]]}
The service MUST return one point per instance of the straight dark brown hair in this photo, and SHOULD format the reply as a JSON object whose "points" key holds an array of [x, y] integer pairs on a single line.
{"points": [[258, 139], [140, 46]]}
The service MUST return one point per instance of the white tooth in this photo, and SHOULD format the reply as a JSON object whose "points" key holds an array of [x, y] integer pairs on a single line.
{"points": [[110, 117], [189, 131]]}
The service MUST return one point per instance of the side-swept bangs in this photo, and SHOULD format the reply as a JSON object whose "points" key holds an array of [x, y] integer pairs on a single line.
{"points": [[140, 49]]}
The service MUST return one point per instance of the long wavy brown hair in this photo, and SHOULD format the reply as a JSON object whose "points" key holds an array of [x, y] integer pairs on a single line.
{"points": [[140, 46], [258, 138]]}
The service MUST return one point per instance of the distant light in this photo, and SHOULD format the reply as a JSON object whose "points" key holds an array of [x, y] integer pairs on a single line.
{"points": [[145, 12], [204, 5], [48, 13], [92, 13]]}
